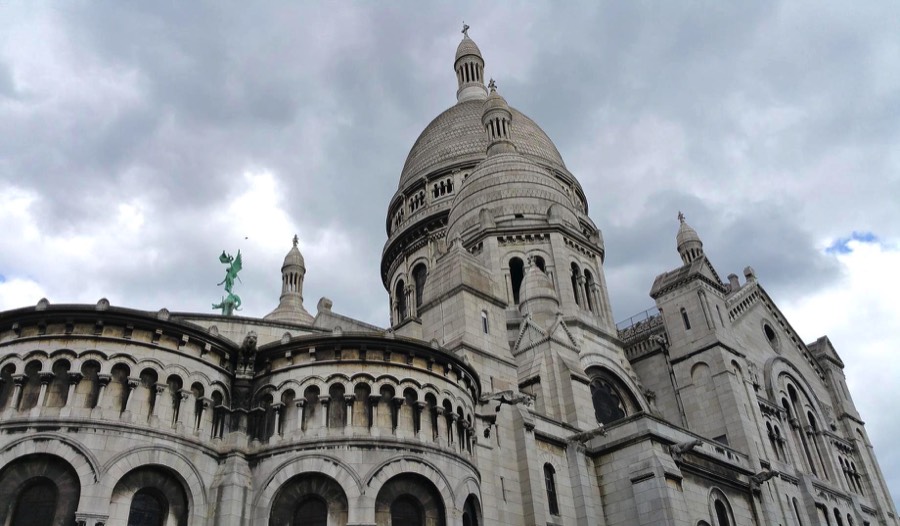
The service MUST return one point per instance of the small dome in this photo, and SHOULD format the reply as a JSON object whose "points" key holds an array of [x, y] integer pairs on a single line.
{"points": [[686, 233], [495, 101], [537, 285], [688, 241], [294, 258], [467, 47]]}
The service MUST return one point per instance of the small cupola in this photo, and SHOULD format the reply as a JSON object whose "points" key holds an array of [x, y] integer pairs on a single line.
{"points": [[469, 68], [538, 297], [497, 120], [690, 247], [290, 306]]}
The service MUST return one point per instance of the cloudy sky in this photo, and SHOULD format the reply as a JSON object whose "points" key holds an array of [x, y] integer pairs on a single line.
{"points": [[139, 140]]}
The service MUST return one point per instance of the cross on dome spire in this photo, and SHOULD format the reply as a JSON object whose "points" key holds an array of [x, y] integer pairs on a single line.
{"points": [[680, 217], [296, 240], [465, 30]]}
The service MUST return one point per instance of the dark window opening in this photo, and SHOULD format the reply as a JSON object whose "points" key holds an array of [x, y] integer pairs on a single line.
{"points": [[311, 512], [484, 322], [148, 508], [722, 514], [539, 263], [686, 320], [608, 406], [575, 273], [419, 275], [550, 483], [516, 274], [36, 504], [400, 295], [406, 511]]}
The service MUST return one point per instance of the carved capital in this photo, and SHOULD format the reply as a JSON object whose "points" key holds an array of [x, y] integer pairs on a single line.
{"points": [[75, 378], [160, 388], [103, 379], [300, 403], [184, 394], [133, 382], [324, 399], [19, 379], [45, 377], [349, 399]]}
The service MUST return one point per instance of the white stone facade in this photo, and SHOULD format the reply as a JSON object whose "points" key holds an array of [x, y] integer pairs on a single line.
{"points": [[503, 392]]}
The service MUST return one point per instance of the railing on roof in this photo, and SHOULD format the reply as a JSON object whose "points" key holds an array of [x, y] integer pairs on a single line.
{"points": [[639, 324]]}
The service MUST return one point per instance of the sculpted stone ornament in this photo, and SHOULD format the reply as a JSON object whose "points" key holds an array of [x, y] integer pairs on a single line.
{"points": [[247, 352], [232, 301], [580, 439], [507, 397], [757, 480], [678, 450]]}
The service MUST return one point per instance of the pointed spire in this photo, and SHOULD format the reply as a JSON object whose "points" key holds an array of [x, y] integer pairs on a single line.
{"points": [[688, 241], [469, 67]]}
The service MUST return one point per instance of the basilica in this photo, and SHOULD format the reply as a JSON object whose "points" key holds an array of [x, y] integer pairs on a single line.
{"points": [[501, 391]]}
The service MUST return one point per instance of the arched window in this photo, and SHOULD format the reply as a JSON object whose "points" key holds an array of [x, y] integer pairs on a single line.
{"points": [[471, 511], [550, 483], [311, 512], [588, 290], [837, 518], [797, 510], [516, 274], [576, 272], [608, 405], [36, 505], [400, 297], [484, 322], [539, 263], [419, 274], [721, 514], [407, 511], [149, 507]]}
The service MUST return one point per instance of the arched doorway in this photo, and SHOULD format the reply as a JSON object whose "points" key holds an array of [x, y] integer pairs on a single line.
{"points": [[38, 490], [309, 499], [409, 499]]}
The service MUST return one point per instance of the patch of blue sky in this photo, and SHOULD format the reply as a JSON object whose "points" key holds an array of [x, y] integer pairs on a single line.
{"points": [[842, 245]]}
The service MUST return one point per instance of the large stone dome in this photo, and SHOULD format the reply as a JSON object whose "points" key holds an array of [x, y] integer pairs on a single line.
{"points": [[457, 136]]}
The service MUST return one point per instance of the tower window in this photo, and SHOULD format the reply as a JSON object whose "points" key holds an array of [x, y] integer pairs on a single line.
{"points": [[484, 321], [400, 298], [575, 273], [516, 274], [686, 320], [419, 275], [539, 263], [550, 482]]}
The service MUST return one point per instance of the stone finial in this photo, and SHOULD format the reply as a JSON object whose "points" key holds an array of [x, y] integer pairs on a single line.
{"points": [[749, 273], [163, 314], [102, 305], [324, 304], [42, 304]]}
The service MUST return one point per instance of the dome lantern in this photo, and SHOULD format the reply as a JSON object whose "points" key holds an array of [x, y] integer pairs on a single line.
{"points": [[469, 68], [497, 121], [290, 306], [690, 247]]}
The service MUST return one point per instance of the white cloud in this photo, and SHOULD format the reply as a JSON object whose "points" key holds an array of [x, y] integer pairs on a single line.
{"points": [[860, 316]]}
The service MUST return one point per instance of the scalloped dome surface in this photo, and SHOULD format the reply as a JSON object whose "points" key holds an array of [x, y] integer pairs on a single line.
{"points": [[457, 135], [467, 47]]}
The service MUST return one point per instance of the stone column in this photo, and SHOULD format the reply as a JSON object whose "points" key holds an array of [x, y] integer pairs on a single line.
{"points": [[324, 400], [402, 423], [301, 411], [74, 379], [45, 379], [184, 409], [103, 380], [441, 426], [158, 402], [451, 431], [18, 381], [131, 384], [373, 413], [579, 291], [348, 402], [277, 408], [205, 422], [424, 432]]}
